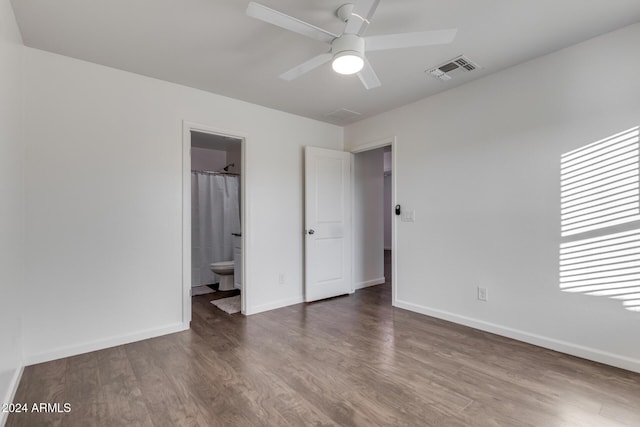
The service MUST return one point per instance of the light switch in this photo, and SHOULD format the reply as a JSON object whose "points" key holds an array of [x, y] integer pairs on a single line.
{"points": [[409, 216]]}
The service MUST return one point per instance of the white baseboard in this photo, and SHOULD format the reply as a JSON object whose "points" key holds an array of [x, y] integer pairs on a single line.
{"points": [[11, 393], [367, 283], [541, 341], [273, 305], [87, 347]]}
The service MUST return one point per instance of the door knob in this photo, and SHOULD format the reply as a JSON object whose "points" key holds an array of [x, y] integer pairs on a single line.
{"points": [[312, 231]]}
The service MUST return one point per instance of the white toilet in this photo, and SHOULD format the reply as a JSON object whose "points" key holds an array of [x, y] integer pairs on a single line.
{"points": [[225, 270]]}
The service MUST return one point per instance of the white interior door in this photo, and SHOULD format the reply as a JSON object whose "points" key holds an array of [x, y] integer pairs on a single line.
{"points": [[327, 223]]}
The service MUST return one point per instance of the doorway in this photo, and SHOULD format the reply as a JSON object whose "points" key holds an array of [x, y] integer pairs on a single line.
{"points": [[213, 219], [374, 257]]}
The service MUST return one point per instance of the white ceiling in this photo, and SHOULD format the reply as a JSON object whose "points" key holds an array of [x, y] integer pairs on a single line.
{"points": [[212, 45]]}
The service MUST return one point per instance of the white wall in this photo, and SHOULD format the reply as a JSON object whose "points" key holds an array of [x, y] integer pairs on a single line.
{"points": [[368, 218], [387, 211], [204, 159], [388, 156], [11, 204], [234, 156], [480, 166], [104, 213], [387, 161]]}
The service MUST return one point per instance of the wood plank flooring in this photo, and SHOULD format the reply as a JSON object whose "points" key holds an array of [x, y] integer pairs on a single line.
{"points": [[348, 361]]}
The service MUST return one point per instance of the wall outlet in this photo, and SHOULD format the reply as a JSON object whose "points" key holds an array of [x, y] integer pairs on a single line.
{"points": [[483, 294], [281, 278]]}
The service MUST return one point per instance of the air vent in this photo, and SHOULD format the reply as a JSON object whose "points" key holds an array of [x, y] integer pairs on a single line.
{"points": [[343, 115], [451, 68]]}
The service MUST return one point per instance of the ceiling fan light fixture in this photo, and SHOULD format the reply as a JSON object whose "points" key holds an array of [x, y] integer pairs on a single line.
{"points": [[347, 63], [348, 54]]}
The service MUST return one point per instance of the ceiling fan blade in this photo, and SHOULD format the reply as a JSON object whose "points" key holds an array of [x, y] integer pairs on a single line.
{"points": [[279, 19], [368, 77], [396, 41], [362, 13], [305, 67]]}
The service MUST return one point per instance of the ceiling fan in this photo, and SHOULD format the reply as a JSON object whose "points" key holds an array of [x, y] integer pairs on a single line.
{"points": [[348, 49]]}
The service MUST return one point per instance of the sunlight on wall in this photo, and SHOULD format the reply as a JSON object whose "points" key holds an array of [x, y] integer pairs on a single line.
{"points": [[599, 184], [600, 219]]}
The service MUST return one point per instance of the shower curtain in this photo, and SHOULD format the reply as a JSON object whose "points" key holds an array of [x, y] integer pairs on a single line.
{"points": [[215, 214]]}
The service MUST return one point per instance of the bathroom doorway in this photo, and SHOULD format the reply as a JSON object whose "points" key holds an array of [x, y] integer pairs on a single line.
{"points": [[213, 261]]}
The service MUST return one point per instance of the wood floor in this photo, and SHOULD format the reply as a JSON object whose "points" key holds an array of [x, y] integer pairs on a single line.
{"points": [[347, 361]]}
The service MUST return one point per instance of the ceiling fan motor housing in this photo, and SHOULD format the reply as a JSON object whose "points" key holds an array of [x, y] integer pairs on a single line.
{"points": [[348, 44]]}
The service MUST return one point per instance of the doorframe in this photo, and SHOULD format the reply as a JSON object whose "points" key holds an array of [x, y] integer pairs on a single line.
{"points": [[187, 128], [374, 145]]}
